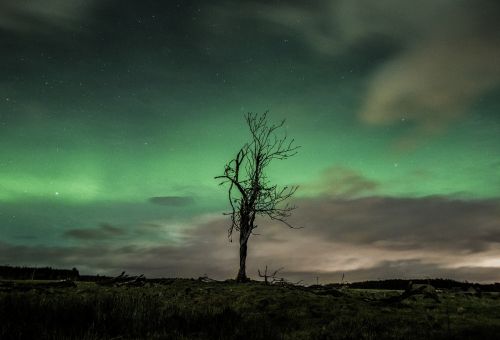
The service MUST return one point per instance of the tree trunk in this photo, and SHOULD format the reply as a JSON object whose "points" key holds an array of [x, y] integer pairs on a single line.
{"points": [[242, 275]]}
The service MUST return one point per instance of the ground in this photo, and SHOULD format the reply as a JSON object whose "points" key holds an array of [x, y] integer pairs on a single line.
{"points": [[193, 309]]}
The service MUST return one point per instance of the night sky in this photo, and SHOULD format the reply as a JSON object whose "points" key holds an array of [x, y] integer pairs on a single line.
{"points": [[115, 116]]}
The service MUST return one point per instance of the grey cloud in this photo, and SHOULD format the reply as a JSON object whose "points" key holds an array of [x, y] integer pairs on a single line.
{"points": [[338, 181], [83, 256], [42, 214], [433, 82], [167, 261], [172, 201], [366, 238], [406, 269], [37, 16], [206, 252], [445, 57], [405, 223], [104, 231]]}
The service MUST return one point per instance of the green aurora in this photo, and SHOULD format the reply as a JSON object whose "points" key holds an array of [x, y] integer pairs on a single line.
{"points": [[101, 111]]}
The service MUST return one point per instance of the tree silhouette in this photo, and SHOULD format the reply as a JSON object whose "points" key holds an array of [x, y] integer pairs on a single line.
{"points": [[250, 193]]}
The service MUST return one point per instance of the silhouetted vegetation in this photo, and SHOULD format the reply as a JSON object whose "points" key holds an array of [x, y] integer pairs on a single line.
{"points": [[250, 193], [208, 309], [33, 273], [400, 284]]}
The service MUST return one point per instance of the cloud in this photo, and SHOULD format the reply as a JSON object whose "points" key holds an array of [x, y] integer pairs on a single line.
{"points": [[433, 82], [444, 53], [366, 238], [427, 223], [172, 201], [205, 251], [36, 16], [338, 181], [406, 269], [103, 232]]}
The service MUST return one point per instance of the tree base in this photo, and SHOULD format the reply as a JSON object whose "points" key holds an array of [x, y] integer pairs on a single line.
{"points": [[242, 278]]}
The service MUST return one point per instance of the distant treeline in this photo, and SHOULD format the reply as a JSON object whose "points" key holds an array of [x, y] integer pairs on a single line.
{"points": [[436, 283], [32, 273], [48, 273]]}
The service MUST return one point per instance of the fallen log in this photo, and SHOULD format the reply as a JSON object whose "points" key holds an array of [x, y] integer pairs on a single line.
{"points": [[124, 280]]}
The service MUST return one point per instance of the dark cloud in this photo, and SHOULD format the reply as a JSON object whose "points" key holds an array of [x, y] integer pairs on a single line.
{"points": [[47, 220], [103, 232], [429, 237], [35, 16], [205, 252], [442, 58], [338, 181], [172, 201], [90, 258], [405, 223]]}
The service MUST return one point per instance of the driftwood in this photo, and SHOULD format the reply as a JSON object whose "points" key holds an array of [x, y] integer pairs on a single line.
{"points": [[270, 278], [164, 281], [206, 279], [124, 280], [327, 291]]}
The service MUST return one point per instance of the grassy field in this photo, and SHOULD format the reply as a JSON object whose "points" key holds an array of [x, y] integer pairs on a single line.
{"points": [[192, 309]]}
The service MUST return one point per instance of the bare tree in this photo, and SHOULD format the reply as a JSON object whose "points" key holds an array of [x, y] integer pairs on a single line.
{"points": [[250, 192]]}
